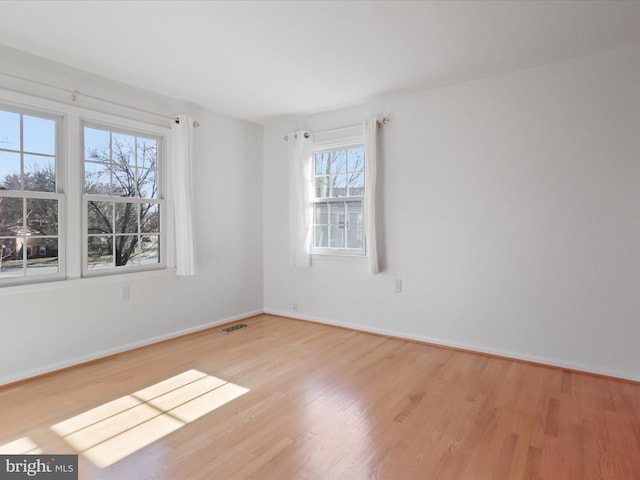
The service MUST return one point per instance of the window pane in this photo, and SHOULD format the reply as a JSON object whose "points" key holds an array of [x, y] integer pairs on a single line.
{"points": [[42, 256], [8, 248], [149, 249], [96, 145], [126, 250], [10, 171], [321, 238], [147, 153], [339, 161], [336, 213], [322, 186], [11, 216], [100, 217], [322, 163], [147, 183], [356, 184], [11, 264], [355, 160], [100, 252], [149, 218], [339, 185], [124, 180], [9, 130], [354, 212], [336, 236], [97, 178], [39, 135], [42, 217], [321, 213], [126, 218], [39, 173], [355, 239], [124, 149]]}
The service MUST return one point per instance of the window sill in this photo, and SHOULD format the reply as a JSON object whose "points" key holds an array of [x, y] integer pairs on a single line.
{"points": [[121, 279], [338, 257]]}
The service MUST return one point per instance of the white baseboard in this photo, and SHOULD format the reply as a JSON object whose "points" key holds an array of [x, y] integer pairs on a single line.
{"points": [[353, 326], [624, 375], [119, 349]]}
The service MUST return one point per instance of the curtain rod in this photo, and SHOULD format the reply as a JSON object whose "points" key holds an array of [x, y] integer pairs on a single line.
{"points": [[75, 93], [380, 123]]}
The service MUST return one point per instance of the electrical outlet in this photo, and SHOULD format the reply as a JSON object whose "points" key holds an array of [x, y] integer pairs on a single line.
{"points": [[294, 307], [126, 293], [397, 285]]}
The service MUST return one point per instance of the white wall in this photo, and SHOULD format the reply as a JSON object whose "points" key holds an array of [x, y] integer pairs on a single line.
{"points": [[55, 325], [511, 213]]}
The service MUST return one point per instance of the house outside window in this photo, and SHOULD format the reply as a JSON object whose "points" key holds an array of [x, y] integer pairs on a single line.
{"points": [[338, 197]]}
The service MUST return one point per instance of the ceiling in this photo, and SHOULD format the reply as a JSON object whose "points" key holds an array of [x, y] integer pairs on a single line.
{"points": [[259, 59]]}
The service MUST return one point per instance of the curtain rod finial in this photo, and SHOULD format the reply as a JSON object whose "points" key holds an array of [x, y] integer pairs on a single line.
{"points": [[306, 135], [384, 121], [195, 123]]}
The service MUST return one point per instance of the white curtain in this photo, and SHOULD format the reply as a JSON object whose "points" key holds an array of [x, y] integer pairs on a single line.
{"points": [[370, 152], [181, 190], [299, 144]]}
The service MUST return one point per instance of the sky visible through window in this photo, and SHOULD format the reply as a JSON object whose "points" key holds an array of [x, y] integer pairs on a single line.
{"points": [[38, 139]]}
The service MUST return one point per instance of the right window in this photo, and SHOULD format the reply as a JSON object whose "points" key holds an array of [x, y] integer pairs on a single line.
{"points": [[122, 201], [339, 186]]}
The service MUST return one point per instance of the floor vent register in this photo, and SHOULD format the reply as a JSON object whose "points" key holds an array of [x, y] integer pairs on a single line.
{"points": [[233, 328]]}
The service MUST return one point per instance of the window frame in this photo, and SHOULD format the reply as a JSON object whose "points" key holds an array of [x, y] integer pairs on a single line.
{"points": [[159, 200], [58, 195], [331, 141], [70, 186]]}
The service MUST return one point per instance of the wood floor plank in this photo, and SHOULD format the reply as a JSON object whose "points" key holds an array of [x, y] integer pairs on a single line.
{"points": [[286, 399]]}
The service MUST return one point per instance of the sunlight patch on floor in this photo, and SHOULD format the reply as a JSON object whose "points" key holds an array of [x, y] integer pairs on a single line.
{"points": [[114, 430], [21, 446]]}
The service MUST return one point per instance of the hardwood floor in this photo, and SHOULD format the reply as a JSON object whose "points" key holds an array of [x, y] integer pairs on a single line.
{"points": [[285, 399]]}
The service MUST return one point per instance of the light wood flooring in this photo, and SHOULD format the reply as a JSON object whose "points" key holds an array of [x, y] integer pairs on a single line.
{"points": [[286, 399]]}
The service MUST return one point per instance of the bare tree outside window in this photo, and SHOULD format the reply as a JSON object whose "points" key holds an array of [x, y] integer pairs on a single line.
{"points": [[121, 171]]}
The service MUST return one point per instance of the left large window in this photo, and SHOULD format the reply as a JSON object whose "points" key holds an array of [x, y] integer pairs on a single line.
{"points": [[31, 200]]}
